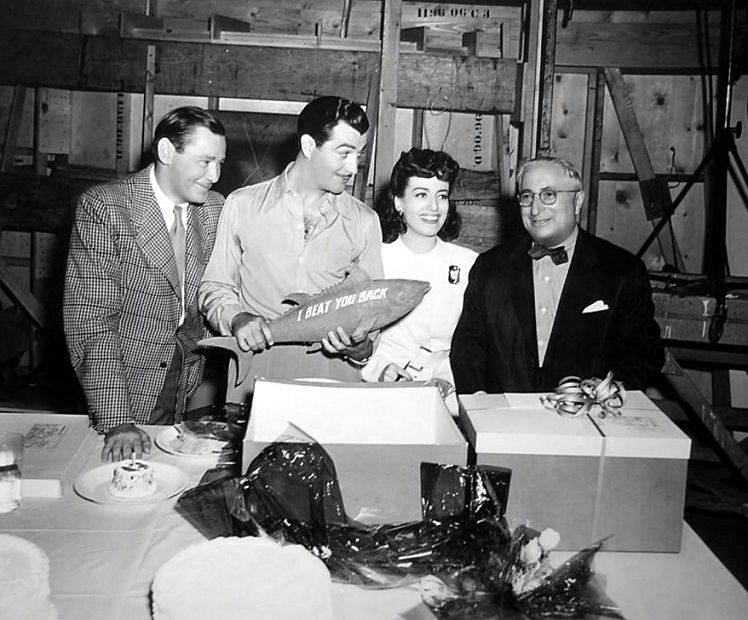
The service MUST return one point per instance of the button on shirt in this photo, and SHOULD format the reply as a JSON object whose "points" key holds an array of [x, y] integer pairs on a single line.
{"points": [[548, 283], [261, 254], [166, 206]]}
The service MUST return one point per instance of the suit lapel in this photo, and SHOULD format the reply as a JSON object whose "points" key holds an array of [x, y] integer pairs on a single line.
{"points": [[521, 297], [151, 233], [575, 289]]}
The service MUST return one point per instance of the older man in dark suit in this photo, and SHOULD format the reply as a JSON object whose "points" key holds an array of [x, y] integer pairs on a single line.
{"points": [[138, 249], [555, 302]]}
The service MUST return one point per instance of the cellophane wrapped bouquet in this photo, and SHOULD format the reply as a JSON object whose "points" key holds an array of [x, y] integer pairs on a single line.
{"points": [[462, 555]]}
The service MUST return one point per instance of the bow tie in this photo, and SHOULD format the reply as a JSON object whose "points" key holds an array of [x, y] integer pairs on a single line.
{"points": [[558, 255]]}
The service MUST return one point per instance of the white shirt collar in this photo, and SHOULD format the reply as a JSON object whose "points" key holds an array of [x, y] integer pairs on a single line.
{"points": [[165, 204]]}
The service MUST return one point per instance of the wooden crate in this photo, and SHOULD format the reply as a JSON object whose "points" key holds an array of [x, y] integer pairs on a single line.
{"points": [[688, 317]]}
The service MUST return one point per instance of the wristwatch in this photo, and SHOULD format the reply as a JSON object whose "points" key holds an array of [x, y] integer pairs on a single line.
{"points": [[359, 363]]}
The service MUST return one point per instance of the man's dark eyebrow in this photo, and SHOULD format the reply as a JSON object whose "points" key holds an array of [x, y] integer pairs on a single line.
{"points": [[346, 145]]}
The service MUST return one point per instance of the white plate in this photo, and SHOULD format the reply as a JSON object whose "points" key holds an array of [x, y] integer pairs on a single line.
{"points": [[168, 440], [94, 484]]}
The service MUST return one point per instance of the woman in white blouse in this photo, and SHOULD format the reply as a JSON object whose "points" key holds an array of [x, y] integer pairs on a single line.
{"points": [[418, 222]]}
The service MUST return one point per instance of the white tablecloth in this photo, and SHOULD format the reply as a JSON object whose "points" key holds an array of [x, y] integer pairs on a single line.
{"points": [[103, 558]]}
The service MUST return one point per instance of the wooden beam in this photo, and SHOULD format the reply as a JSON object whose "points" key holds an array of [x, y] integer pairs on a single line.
{"points": [[530, 79], [593, 138], [633, 46], [546, 77], [388, 83], [665, 39], [656, 201], [735, 418], [151, 27], [715, 224], [149, 97], [705, 413], [360, 183], [345, 18], [654, 190], [416, 134], [502, 157], [111, 64], [11, 128], [22, 297]]}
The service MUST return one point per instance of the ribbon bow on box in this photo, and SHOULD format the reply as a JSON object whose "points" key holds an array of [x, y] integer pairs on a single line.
{"points": [[575, 397]]}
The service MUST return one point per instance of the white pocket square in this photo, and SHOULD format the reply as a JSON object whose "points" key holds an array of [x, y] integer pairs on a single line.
{"points": [[597, 306]]}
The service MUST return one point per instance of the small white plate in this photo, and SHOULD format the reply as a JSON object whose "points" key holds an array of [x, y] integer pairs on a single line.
{"points": [[94, 484], [168, 440]]}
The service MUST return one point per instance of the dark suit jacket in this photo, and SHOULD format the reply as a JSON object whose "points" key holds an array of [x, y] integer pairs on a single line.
{"points": [[122, 306], [494, 347]]}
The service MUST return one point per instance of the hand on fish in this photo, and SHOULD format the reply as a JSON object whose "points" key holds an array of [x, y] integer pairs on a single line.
{"points": [[339, 343], [252, 332]]}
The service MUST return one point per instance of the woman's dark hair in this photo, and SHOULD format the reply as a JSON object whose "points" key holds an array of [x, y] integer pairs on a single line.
{"points": [[319, 118], [423, 163], [179, 123]]}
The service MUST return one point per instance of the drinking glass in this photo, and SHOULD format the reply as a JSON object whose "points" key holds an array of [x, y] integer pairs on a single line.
{"points": [[11, 459]]}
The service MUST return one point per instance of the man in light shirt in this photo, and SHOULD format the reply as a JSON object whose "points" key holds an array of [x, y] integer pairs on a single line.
{"points": [[556, 301], [299, 232], [138, 249]]}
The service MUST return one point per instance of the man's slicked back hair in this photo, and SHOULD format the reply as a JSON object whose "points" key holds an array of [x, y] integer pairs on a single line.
{"points": [[320, 116], [177, 125]]}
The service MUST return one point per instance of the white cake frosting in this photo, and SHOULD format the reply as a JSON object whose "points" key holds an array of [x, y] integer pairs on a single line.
{"points": [[24, 580], [231, 578], [132, 479]]}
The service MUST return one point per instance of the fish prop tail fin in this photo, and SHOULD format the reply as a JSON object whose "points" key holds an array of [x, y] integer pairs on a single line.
{"points": [[243, 358]]}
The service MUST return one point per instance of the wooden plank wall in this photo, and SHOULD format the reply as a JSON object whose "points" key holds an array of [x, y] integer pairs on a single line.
{"points": [[668, 107], [669, 111]]}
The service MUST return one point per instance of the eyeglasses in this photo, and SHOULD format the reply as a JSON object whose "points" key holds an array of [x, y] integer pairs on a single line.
{"points": [[547, 196]]}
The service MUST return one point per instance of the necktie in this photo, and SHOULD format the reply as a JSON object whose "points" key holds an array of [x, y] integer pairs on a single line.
{"points": [[178, 241], [558, 255]]}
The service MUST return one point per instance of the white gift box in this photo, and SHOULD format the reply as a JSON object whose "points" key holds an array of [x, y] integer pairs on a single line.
{"points": [[377, 435], [586, 477]]}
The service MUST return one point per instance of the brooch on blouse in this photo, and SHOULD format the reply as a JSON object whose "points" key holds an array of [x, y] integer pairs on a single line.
{"points": [[453, 275]]}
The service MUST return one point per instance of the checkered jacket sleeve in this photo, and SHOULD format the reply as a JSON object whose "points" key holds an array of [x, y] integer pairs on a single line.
{"points": [[92, 307]]}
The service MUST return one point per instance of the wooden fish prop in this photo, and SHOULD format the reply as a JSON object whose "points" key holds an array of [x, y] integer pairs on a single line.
{"points": [[359, 307]]}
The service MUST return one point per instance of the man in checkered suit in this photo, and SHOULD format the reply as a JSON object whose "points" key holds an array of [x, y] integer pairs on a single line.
{"points": [[130, 307]]}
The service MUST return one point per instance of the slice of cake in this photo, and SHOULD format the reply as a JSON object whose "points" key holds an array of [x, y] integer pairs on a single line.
{"points": [[132, 479], [229, 578], [194, 445], [24, 580]]}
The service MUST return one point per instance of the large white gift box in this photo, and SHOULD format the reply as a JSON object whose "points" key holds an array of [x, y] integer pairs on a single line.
{"points": [[586, 477], [377, 435]]}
